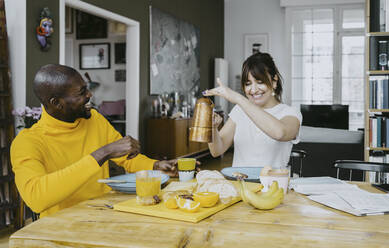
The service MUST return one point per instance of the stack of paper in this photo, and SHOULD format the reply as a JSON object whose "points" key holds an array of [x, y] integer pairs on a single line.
{"points": [[319, 185], [340, 195]]}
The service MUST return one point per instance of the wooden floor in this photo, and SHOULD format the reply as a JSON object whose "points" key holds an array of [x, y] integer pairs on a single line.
{"points": [[207, 163]]}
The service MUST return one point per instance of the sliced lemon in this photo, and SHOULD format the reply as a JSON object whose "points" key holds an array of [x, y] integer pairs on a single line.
{"points": [[170, 203], [206, 199], [187, 205]]}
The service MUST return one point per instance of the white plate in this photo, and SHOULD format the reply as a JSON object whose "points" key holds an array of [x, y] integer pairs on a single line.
{"points": [[130, 187]]}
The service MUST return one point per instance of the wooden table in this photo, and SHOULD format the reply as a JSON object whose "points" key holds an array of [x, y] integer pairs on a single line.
{"points": [[298, 222]]}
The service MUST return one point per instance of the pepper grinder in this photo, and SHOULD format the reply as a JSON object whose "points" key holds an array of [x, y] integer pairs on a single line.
{"points": [[201, 130]]}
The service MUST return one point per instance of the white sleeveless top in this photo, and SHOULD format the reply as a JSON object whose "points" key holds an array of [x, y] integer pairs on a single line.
{"points": [[254, 148]]}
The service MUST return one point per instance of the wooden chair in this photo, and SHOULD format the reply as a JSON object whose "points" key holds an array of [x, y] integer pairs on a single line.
{"points": [[297, 155], [27, 212], [351, 165]]}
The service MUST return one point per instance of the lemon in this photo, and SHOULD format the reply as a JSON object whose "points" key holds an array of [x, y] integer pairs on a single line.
{"points": [[187, 205], [170, 203], [206, 199]]}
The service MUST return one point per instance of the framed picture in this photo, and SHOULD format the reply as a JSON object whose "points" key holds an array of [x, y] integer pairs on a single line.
{"points": [[90, 27], [255, 43], [174, 54], [120, 53], [95, 56], [120, 75], [68, 20]]}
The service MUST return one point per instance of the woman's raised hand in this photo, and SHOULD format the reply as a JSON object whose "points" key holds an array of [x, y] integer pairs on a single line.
{"points": [[223, 91]]}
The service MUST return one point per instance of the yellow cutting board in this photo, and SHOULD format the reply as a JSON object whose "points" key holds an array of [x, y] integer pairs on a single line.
{"points": [[160, 210]]}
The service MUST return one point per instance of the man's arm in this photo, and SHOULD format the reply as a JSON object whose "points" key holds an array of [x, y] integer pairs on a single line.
{"points": [[40, 189]]}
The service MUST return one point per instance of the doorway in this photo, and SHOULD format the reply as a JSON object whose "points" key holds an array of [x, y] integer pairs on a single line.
{"points": [[132, 57]]}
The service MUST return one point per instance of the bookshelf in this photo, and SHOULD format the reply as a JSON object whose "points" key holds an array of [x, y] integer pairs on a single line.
{"points": [[10, 212], [377, 81]]}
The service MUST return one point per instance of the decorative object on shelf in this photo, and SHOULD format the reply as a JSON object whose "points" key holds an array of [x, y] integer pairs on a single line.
{"points": [[174, 54], [68, 20], [120, 53], [90, 27], [95, 56], [45, 29], [254, 43], [27, 116], [120, 75], [383, 54]]}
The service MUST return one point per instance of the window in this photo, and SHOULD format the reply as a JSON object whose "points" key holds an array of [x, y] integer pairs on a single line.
{"points": [[327, 48]]}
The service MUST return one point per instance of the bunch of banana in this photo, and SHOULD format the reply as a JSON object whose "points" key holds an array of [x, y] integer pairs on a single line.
{"points": [[263, 200]]}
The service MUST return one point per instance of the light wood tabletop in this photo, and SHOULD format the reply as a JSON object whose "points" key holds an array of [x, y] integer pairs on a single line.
{"points": [[298, 222]]}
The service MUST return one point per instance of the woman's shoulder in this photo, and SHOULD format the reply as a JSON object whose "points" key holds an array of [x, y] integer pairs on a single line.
{"points": [[286, 107], [287, 110]]}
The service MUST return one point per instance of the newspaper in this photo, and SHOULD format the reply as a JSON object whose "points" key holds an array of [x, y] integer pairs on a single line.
{"points": [[340, 195]]}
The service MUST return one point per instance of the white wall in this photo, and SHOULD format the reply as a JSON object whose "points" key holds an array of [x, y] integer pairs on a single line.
{"points": [[109, 89], [15, 11], [251, 17]]}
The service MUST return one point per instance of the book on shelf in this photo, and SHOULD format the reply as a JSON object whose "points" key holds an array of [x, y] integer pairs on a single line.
{"points": [[379, 131], [378, 92], [379, 16], [379, 157]]}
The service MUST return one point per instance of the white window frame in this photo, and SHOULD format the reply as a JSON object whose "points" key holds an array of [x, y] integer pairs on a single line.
{"points": [[339, 32]]}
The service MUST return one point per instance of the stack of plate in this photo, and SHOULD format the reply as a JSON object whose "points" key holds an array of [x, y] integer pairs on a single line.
{"points": [[130, 185]]}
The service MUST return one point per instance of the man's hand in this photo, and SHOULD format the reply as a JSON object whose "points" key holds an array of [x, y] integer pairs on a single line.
{"points": [[119, 148], [169, 167]]}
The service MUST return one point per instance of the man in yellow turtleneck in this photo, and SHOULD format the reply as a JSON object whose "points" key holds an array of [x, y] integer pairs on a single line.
{"points": [[58, 161]]}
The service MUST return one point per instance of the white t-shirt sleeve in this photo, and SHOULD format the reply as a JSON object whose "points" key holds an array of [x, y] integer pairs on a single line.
{"points": [[235, 114], [292, 111]]}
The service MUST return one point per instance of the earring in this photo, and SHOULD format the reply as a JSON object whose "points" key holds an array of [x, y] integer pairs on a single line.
{"points": [[273, 94]]}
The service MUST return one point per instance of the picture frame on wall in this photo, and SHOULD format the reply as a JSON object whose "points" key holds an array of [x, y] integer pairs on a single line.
{"points": [[90, 27], [120, 75], [95, 56], [254, 43], [120, 53], [68, 20]]}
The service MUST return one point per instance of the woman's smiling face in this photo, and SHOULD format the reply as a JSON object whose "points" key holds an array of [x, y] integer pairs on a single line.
{"points": [[259, 93]]}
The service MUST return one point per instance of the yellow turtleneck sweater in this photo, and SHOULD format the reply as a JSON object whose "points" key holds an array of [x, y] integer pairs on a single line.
{"points": [[53, 166]]}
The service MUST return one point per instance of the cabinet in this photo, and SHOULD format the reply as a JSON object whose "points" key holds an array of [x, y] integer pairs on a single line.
{"points": [[9, 200], [168, 139]]}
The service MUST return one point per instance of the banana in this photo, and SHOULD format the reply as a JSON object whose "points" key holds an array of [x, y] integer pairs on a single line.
{"points": [[267, 203], [271, 190], [260, 201], [241, 190]]}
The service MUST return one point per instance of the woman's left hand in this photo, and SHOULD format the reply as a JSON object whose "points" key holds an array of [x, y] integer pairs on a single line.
{"points": [[223, 91]]}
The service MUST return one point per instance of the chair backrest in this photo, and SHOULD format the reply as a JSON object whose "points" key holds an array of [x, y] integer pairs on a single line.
{"points": [[297, 154], [360, 165]]}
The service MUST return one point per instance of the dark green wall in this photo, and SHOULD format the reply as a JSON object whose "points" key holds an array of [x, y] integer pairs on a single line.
{"points": [[35, 58], [207, 15]]}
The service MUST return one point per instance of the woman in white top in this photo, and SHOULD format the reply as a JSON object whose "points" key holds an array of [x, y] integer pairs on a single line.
{"points": [[262, 128]]}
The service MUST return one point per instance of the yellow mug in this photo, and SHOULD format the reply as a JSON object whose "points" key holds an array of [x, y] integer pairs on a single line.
{"points": [[186, 168]]}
